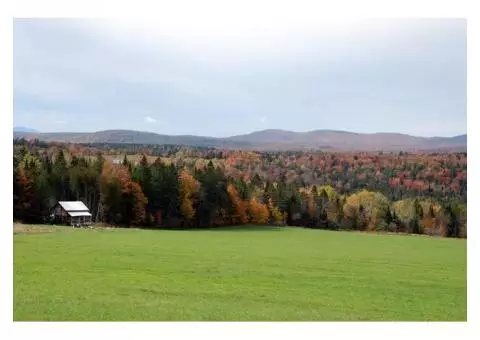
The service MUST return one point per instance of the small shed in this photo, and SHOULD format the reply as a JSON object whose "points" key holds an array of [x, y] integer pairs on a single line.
{"points": [[72, 212]]}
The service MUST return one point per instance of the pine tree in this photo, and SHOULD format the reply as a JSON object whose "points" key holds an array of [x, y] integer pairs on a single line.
{"points": [[60, 175], [453, 225], [164, 200], [388, 216], [415, 224]]}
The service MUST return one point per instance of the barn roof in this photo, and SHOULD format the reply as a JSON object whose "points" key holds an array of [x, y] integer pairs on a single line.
{"points": [[78, 213], [70, 206]]}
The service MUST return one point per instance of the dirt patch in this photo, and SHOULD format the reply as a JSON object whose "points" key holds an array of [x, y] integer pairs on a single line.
{"points": [[23, 228], [19, 228]]}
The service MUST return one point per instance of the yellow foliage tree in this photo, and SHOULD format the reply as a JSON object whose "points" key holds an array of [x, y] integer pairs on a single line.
{"points": [[188, 186], [405, 211], [257, 211], [367, 207], [332, 210], [331, 193], [277, 216]]}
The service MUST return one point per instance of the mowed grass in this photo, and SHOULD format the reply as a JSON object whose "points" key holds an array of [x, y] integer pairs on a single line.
{"points": [[255, 273]]}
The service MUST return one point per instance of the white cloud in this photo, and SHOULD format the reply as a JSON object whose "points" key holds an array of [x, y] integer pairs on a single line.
{"points": [[245, 25], [263, 119], [149, 119]]}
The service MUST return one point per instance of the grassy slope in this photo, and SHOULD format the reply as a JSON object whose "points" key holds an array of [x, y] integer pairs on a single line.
{"points": [[239, 274]]}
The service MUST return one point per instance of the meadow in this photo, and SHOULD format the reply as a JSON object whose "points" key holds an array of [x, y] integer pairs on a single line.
{"points": [[236, 274]]}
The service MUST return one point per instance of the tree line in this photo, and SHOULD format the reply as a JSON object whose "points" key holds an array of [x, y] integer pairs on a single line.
{"points": [[197, 192]]}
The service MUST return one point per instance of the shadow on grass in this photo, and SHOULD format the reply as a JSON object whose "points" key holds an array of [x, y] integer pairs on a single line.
{"points": [[243, 228]]}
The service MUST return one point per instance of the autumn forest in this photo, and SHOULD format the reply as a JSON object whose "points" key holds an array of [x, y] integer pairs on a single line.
{"points": [[169, 186]]}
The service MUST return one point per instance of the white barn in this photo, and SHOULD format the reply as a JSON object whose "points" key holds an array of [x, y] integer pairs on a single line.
{"points": [[72, 212]]}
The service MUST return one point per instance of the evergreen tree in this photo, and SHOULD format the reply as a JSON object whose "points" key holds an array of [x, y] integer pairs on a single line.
{"points": [[60, 178], [415, 224], [453, 225], [388, 216]]}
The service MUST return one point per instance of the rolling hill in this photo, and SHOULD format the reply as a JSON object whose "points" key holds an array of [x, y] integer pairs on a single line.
{"points": [[23, 129], [328, 140]]}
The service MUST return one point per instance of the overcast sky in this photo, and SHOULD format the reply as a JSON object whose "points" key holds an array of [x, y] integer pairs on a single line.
{"points": [[227, 77]]}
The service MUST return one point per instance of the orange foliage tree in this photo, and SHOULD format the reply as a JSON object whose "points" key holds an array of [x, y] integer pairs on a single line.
{"points": [[122, 197], [239, 215]]}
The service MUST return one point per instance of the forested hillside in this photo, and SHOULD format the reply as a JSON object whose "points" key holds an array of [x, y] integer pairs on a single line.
{"points": [[267, 140], [168, 186]]}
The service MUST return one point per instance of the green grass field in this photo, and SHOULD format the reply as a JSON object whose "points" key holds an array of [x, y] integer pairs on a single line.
{"points": [[255, 273]]}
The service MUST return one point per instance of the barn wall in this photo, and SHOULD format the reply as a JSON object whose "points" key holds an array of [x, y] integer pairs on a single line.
{"points": [[59, 211]]}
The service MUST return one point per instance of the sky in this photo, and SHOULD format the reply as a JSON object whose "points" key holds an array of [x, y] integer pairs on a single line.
{"points": [[226, 76]]}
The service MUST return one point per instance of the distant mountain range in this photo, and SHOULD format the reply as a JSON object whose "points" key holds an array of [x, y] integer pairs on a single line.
{"points": [[23, 129], [271, 140]]}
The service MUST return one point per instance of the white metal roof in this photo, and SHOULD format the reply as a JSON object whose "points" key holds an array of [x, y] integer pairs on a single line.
{"points": [[73, 206], [79, 213]]}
